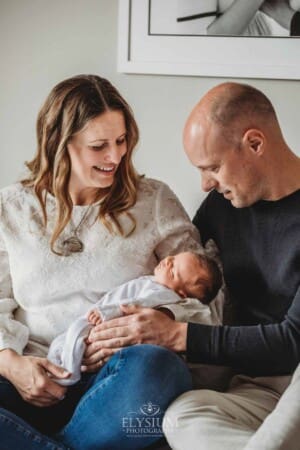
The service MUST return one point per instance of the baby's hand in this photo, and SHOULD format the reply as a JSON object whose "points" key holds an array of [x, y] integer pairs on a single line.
{"points": [[94, 317]]}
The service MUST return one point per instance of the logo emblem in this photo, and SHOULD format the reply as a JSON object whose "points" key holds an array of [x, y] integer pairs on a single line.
{"points": [[149, 409]]}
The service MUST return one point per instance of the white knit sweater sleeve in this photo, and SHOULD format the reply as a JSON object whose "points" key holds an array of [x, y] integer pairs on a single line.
{"points": [[178, 234], [13, 334], [176, 230]]}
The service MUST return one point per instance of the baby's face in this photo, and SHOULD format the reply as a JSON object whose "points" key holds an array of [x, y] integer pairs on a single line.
{"points": [[177, 272]]}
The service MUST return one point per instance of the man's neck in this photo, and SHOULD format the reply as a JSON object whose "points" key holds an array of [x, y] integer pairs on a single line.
{"points": [[284, 175]]}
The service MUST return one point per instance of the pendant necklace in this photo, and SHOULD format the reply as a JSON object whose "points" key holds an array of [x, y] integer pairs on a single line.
{"points": [[73, 244]]}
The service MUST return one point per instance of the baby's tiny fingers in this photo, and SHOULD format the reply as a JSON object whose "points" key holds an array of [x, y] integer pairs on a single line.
{"points": [[92, 367]]}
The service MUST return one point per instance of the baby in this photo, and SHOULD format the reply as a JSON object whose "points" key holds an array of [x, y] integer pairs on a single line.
{"points": [[176, 277]]}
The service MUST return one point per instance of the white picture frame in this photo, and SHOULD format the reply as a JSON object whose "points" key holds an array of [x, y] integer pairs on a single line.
{"points": [[216, 56]]}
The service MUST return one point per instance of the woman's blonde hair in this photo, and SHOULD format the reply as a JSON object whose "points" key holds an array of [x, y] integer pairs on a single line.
{"points": [[67, 109]]}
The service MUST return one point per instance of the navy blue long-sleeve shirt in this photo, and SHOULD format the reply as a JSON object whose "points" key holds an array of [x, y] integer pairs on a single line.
{"points": [[260, 251]]}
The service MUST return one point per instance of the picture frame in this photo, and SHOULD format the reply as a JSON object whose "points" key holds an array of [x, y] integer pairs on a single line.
{"points": [[140, 51]]}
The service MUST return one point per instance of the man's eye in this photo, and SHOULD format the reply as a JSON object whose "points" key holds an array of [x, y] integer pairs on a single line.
{"points": [[215, 169]]}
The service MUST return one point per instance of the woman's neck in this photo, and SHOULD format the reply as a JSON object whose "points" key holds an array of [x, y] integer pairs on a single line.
{"points": [[85, 196]]}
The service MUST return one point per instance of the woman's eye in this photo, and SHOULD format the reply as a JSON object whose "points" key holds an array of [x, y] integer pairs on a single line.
{"points": [[97, 148], [121, 141]]}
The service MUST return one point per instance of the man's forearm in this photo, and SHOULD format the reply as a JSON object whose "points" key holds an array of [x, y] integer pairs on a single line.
{"points": [[254, 350]]}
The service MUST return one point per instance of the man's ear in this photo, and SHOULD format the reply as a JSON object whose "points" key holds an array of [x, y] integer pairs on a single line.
{"points": [[254, 139]]}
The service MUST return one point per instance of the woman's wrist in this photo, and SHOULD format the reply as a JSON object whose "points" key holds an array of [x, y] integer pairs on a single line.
{"points": [[7, 358]]}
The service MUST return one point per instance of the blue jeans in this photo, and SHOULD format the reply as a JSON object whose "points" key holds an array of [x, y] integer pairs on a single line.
{"points": [[120, 407]]}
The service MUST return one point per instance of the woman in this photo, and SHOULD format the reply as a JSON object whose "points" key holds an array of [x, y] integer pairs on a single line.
{"points": [[83, 221]]}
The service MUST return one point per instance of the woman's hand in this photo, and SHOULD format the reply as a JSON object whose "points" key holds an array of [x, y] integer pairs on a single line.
{"points": [[31, 376], [138, 326]]}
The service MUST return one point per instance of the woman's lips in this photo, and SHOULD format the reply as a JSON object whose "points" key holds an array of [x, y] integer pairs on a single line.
{"points": [[106, 171]]}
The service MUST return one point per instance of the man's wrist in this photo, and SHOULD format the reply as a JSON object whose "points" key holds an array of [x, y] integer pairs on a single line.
{"points": [[180, 336]]}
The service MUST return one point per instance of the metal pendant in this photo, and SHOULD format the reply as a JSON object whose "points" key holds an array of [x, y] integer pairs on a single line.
{"points": [[72, 245]]}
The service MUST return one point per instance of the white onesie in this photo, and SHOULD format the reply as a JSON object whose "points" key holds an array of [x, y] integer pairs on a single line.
{"points": [[67, 349]]}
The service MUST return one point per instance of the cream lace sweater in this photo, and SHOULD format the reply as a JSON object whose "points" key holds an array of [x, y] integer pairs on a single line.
{"points": [[42, 293]]}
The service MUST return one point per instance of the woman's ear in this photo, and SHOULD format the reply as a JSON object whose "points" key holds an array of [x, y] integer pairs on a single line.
{"points": [[254, 140]]}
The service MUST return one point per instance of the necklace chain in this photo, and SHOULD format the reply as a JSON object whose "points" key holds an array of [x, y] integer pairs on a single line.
{"points": [[84, 216], [73, 244]]}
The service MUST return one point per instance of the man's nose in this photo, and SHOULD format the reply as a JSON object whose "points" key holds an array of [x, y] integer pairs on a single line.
{"points": [[208, 182]]}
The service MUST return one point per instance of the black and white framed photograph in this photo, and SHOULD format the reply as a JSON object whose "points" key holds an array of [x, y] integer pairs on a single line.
{"points": [[231, 38]]}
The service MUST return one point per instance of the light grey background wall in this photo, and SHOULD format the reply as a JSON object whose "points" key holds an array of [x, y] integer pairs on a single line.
{"points": [[43, 42]]}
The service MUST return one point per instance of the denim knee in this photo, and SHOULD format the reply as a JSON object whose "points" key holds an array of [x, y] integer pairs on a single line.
{"points": [[137, 383], [156, 360]]}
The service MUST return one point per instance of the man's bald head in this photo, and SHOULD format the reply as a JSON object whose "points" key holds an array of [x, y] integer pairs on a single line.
{"points": [[230, 102], [234, 108], [233, 137]]}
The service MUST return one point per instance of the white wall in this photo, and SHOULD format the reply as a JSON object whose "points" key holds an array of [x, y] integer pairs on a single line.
{"points": [[42, 42]]}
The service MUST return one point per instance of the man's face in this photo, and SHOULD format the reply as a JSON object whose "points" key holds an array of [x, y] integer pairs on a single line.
{"points": [[230, 169]]}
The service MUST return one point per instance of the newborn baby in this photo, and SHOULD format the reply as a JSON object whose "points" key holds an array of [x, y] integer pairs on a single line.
{"points": [[176, 277]]}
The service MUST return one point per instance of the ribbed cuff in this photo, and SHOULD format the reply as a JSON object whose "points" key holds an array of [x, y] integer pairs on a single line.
{"points": [[199, 343], [12, 345]]}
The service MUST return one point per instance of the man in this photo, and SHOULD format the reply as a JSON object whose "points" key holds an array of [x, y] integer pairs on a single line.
{"points": [[252, 213]]}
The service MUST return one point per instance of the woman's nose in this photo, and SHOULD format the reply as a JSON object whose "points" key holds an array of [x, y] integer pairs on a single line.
{"points": [[114, 155]]}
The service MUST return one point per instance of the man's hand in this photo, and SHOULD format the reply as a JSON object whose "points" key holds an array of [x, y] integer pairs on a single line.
{"points": [[139, 326]]}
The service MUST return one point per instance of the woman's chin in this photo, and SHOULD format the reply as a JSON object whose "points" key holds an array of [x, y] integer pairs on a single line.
{"points": [[105, 183]]}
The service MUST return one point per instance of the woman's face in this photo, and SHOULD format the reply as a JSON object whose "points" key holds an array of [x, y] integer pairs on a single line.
{"points": [[95, 153]]}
